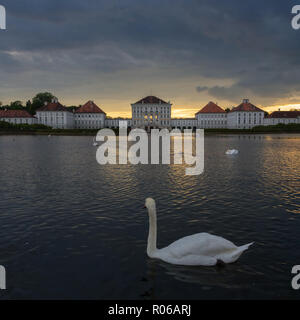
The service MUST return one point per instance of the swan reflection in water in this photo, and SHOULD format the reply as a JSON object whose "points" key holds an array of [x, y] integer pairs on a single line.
{"points": [[205, 276], [231, 276]]}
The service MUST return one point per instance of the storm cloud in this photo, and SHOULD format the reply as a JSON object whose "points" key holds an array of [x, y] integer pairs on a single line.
{"points": [[241, 48]]}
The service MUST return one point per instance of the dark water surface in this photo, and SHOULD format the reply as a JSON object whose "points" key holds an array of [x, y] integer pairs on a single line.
{"points": [[70, 228]]}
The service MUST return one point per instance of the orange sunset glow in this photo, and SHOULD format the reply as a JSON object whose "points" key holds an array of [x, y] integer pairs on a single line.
{"points": [[189, 112]]}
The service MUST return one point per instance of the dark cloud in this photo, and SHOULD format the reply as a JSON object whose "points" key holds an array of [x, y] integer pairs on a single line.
{"points": [[201, 88], [250, 42]]}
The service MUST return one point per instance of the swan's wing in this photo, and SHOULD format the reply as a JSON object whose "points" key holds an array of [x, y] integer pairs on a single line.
{"points": [[200, 244]]}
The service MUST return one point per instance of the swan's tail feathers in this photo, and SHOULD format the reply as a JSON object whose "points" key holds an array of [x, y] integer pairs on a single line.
{"points": [[240, 250], [245, 246], [232, 256]]}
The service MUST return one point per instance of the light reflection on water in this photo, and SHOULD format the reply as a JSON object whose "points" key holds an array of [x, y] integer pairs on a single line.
{"points": [[71, 228]]}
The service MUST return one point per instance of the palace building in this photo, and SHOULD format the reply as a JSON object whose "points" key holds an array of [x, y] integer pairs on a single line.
{"points": [[184, 123], [149, 113], [284, 117], [17, 117], [211, 116], [55, 115], [245, 116], [89, 116]]}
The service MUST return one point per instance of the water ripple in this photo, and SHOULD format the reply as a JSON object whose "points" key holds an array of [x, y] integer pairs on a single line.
{"points": [[73, 229]]}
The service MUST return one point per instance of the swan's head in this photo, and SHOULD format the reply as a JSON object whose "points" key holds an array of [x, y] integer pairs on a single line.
{"points": [[150, 204]]}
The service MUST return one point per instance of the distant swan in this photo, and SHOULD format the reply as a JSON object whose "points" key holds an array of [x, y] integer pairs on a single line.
{"points": [[95, 143], [232, 151], [200, 249]]}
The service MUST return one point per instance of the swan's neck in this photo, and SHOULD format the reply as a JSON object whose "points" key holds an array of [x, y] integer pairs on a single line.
{"points": [[151, 247]]}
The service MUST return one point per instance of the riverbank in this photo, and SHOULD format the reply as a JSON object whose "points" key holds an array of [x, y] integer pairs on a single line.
{"points": [[93, 134], [51, 132], [43, 130]]}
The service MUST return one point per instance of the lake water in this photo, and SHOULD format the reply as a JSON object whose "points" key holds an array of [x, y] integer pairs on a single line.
{"points": [[70, 228]]}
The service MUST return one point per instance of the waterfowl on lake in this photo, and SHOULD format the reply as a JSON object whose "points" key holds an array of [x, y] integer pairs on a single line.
{"points": [[95, 143], [232, 151], [200, 249]]}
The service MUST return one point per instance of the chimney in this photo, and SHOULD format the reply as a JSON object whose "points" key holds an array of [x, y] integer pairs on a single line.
{"points": [[245, 100]]}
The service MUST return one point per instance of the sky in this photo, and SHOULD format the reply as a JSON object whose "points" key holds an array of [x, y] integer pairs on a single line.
{"points": [[115, 52]]}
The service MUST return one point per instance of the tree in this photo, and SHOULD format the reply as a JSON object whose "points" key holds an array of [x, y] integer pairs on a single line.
{"points": [[29, 106], [227, 110], [39, 100], [16, 105]]}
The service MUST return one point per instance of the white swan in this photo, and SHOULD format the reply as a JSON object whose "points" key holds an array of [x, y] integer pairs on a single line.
{"points": [[200, 249], [95, 143], [232, 151]]}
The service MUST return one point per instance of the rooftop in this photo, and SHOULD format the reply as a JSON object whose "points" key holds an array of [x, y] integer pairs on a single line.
{"points": [[211, 108], [54, 105], [246, 106], [15, 114], [284, 114], [151, 100], [89, 107]]}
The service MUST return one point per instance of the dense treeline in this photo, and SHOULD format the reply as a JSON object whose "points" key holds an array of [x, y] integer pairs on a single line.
{"points": [[31, 105], [280, 127]]}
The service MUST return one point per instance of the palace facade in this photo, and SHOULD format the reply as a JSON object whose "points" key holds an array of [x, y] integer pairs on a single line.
{"points": [[17, 117], [150, 112]]}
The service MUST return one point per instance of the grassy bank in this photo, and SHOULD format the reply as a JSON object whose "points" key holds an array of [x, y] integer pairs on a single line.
{"points": [[39, 129], [50, 132], [279, 128]]}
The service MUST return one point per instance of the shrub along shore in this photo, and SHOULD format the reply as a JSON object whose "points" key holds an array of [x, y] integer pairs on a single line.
{"points": [[39, 129]]}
